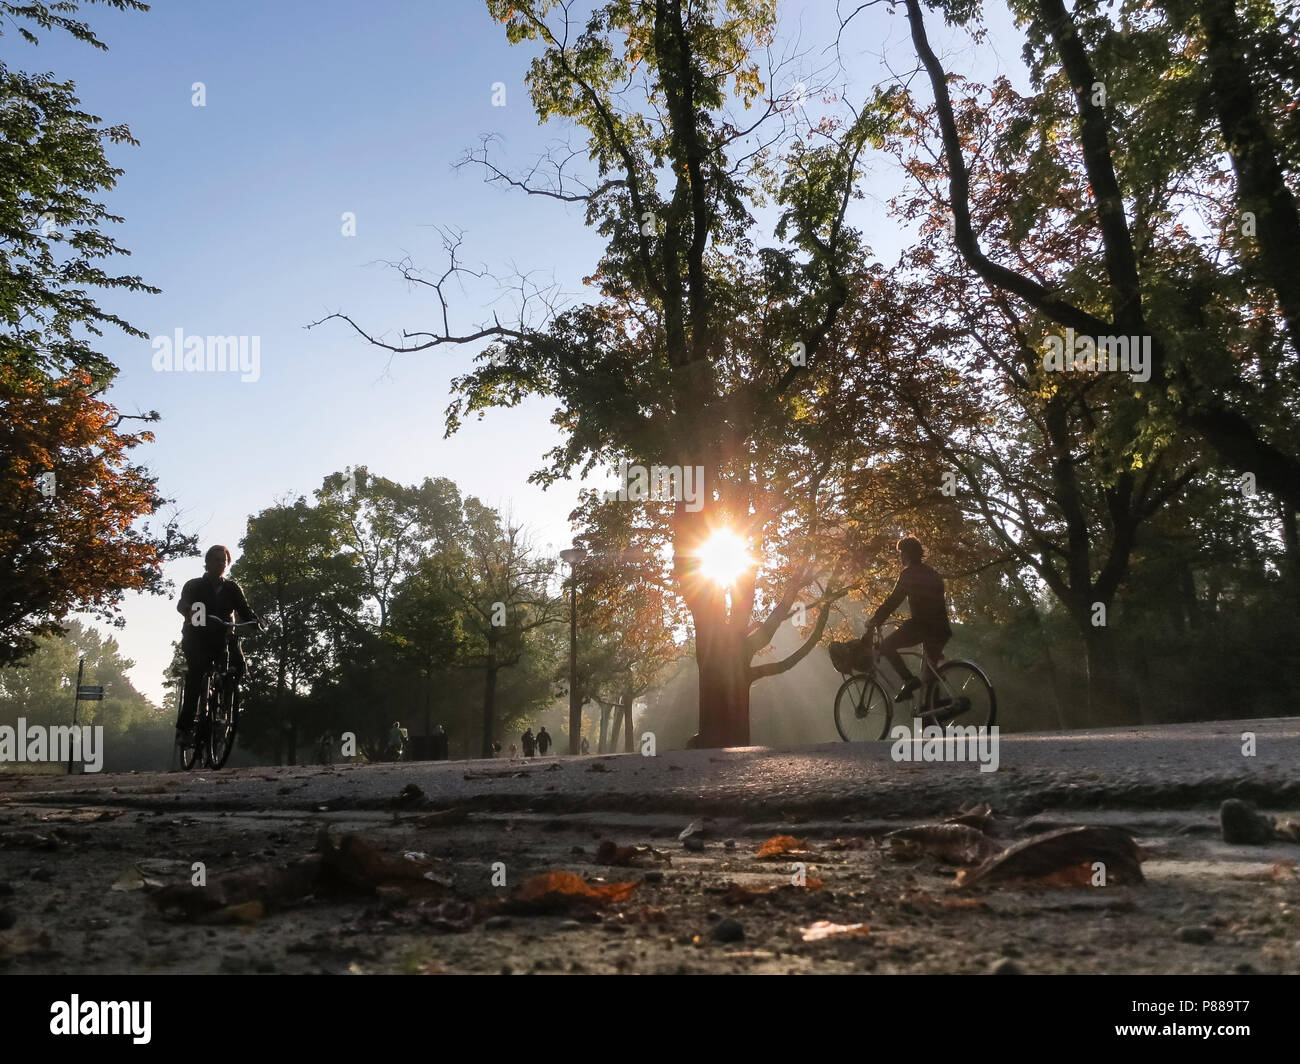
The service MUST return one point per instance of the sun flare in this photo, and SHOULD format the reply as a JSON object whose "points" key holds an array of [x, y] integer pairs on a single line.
{"points": [[723, 557]]}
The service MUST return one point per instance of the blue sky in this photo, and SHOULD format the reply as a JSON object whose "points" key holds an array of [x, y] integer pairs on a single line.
{"points": [[234, 210]]}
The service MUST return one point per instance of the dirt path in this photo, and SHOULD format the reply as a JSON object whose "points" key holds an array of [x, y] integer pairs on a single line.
{"points": [[80, 890]]}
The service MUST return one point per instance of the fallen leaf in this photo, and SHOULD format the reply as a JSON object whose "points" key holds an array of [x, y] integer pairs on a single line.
{"points": [[736, 894], [609, 853], [695, 827], [558, 891], [823, 929], [978, 815], [1059, 854], [952, 843], [781, 846], [409, 795], [354, 865]]}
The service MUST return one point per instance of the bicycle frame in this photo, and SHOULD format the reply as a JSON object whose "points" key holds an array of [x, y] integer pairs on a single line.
{"points": [[927, 671]]}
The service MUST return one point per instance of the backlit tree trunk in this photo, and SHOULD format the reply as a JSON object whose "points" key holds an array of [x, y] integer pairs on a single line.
{"points": [[723, 663]]}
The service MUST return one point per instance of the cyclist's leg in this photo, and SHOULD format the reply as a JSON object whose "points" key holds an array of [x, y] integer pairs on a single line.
{"points": [[198, 660], [904, 636]]}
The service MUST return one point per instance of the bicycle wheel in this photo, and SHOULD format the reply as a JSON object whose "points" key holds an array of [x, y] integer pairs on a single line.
{"points": [[225, 720], [862, 710], [963, 696], [189, 742]]}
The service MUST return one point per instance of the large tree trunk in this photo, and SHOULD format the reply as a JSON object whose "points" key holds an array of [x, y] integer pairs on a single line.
{"points": [[617, 715], [723, 662], [1106, 700]]}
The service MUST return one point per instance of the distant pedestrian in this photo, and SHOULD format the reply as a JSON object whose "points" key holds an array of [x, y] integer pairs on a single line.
{"points": [[585, 746], [527, 741], [325, 749], [543, 741], [397, 741], [513, 750]]}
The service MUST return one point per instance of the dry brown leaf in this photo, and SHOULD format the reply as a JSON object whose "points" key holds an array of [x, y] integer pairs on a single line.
{"points": [[781, 845], [953, 843], [610, 853], [737, 894], [562, 890], [356, 866], [1055, 858]]}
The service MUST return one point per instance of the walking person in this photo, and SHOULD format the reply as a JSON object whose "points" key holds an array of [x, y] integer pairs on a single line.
{"points": [[543, 741]]}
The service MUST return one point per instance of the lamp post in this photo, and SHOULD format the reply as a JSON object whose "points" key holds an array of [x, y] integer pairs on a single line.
{"points": [[573, 555]]}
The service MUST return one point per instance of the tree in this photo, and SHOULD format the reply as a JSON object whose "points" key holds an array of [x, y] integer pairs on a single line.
{"points": [[69, 503], [698, 353], [501, 589], [1196, 378], [291, 571], [1057, 466], [630, 622], [72, 534]]}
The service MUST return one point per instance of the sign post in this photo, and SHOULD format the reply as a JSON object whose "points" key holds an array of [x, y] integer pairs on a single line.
{"points": [[84, 693], [81, 665]]}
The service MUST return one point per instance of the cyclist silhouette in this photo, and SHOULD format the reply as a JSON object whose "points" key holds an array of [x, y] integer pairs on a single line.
{"points": [[922, 587], [203, 643]]}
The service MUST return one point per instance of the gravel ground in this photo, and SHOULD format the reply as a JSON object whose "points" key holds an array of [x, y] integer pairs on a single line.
{"points": [[81, 891]]}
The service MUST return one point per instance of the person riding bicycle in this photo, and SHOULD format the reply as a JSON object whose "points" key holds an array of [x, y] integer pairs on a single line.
{"points": [[207, 597], [922, 587]]}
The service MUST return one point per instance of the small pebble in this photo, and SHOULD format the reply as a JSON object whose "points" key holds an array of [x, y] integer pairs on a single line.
{"points": [[496, 923], [1006, 966]]}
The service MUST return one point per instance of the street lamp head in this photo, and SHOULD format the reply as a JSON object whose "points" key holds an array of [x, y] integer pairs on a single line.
{"points": [[573, 554]]}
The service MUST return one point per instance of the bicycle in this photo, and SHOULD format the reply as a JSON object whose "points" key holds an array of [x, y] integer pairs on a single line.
{"points": [[216, 717], [954, 692]]}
